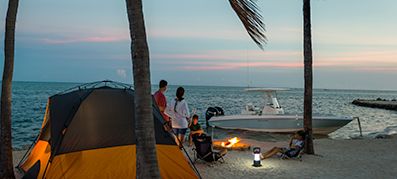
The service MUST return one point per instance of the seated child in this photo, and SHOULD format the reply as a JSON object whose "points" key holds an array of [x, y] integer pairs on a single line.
{"points": [[195, 129]]}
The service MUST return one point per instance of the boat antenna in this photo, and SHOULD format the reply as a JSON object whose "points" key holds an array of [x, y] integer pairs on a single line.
{"points": [[248, 75]]}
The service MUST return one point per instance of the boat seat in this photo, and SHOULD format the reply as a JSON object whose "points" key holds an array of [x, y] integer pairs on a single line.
{"points": [[269, 110], [251, 107]]}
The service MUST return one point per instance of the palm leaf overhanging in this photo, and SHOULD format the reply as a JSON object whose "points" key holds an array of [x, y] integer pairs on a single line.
{"points": [[248, 12]]}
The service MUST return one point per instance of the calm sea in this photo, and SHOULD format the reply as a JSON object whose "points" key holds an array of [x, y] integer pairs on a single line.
{"points": [[29, 100]]}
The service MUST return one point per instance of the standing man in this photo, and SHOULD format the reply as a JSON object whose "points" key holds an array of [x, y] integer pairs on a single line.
{"points": [[162, 102]]}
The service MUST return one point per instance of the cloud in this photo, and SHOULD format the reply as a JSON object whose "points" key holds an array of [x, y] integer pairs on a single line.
{"points": [[121, 73], [197, 65], [240, 55], [228, 60], [352, 58], [377, 68]]}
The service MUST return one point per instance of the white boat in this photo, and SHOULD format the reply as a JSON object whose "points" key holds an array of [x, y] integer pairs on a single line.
{"points": [[271, 118]]}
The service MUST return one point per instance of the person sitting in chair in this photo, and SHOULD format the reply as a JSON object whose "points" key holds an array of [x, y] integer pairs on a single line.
{"points": [[300, 135], [195, 129]]}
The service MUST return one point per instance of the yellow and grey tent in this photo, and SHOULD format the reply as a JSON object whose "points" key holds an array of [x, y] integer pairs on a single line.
{"points": [[90, 133]]}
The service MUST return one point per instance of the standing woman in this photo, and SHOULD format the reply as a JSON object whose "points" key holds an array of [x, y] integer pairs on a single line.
{"points": [[179, 112]]}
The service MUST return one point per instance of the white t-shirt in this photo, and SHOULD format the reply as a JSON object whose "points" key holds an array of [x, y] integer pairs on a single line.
{"points": [[178, 114]]}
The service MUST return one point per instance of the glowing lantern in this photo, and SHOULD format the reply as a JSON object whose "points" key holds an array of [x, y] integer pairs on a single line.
{"points": [[257, 157]]}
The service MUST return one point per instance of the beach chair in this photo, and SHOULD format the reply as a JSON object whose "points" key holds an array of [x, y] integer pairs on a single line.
{"points": [[294, 154], [204, 151]]}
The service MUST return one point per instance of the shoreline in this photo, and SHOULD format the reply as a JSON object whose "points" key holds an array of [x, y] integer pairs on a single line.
{"points": [[356, 158]]}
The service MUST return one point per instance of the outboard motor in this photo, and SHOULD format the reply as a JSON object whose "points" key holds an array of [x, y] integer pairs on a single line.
{"points": [[220, 110], [213, 111]]}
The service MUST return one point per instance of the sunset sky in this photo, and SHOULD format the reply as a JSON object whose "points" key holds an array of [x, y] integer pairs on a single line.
{"points": [[204, 43]]}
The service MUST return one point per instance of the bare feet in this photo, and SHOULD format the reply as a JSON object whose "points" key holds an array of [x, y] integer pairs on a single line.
{"points": [[190, 145]]}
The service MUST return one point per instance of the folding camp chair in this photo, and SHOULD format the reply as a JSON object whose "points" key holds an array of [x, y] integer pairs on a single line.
{"points": [[297, 153], [204, 151]]}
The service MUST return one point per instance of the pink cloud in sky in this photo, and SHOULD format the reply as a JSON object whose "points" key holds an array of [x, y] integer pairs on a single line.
{"points": [[226, 59], [110, 35], [359, 58], [211, 65], [240, 55], [367, 53], [236, 59], [207, 68], [206, 65], [377, 68]]}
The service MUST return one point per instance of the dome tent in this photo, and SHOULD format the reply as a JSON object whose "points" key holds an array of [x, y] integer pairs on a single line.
{"points": [[90, 133]]}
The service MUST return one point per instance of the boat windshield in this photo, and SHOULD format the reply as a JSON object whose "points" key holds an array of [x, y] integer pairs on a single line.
{"points": [[276, 105], [275, 101]]}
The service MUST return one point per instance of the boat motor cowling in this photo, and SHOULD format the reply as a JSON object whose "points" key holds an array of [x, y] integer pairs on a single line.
{"points": [[220, 110], [213, 111]]}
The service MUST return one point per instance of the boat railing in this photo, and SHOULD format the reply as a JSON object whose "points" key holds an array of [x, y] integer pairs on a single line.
{"points": [[320, 114]]}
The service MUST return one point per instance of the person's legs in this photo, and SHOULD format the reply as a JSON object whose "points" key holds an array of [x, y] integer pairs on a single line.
{"points": [[190, 139], [181, 135], [179, 140], [271, 153], [176, 134], [195, 135]]}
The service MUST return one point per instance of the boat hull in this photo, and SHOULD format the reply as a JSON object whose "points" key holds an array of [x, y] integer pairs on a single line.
{"points": [[322, 125]]}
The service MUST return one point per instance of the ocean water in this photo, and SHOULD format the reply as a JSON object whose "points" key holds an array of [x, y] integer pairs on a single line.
{"points": [[29, 101]]}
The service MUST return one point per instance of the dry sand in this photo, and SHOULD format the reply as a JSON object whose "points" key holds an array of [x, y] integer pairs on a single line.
{"points": [[359, 158]]}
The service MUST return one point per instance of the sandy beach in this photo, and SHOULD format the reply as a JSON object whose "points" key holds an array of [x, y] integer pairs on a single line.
{"points": [[358, 158]]}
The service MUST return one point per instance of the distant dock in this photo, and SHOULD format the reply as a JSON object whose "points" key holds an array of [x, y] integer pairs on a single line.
{"points": [[378, 103]]}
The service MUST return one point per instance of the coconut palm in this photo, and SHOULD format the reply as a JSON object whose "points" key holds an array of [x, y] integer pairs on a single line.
{"points": [[308, 76], [147, 166], [6, 165], [146, 162]]}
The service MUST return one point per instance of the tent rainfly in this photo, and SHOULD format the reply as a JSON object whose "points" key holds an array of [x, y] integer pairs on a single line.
{"points": [[90, 133]]}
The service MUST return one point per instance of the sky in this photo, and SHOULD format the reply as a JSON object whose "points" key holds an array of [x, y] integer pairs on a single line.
{"points": [[204, 43]]}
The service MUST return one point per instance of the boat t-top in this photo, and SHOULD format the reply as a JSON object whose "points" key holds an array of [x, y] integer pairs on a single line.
{"points": [[271, 117]]}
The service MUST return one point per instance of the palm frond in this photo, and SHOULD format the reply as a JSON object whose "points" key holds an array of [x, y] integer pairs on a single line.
{"points": [[250, 16]]}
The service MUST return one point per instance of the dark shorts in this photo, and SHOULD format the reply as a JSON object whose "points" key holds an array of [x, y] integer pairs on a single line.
{"points": [[179, 131], [284, 150]]}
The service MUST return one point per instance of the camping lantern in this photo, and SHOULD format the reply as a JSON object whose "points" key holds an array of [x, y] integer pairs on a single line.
{"points": [[257, 157]]}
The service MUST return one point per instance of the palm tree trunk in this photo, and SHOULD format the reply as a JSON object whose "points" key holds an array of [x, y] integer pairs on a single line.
{"points": [[6, 164], [147, 165], [308, 61]]}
